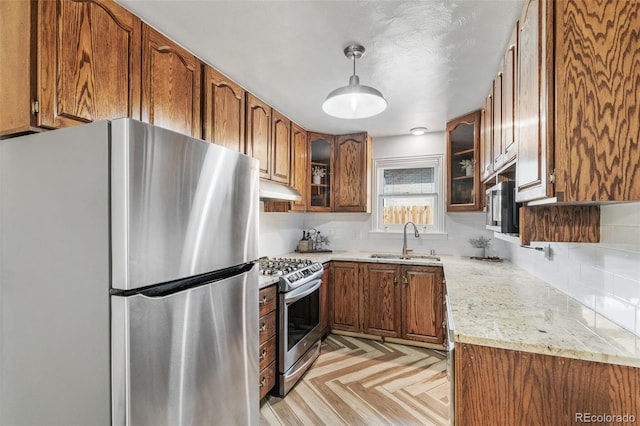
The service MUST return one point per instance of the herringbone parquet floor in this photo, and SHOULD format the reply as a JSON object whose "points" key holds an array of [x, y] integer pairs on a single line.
{"points": [[364, 382]]}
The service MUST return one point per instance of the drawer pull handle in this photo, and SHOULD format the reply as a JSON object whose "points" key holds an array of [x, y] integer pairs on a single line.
{"points": [[263, 328], [263, 382], [263, 301], [263, 355]]}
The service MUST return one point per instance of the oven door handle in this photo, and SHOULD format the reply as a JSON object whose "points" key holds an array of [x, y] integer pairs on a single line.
{"points": [[295, 295]]}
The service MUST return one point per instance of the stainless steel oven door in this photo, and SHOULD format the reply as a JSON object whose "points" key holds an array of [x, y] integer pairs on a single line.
{"points": [[299, 323]]}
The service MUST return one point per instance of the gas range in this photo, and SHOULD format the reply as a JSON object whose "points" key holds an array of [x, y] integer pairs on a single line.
{"points": [[293, 273]]}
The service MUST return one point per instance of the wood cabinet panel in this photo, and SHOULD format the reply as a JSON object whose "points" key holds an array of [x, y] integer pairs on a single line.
{"points": [[299, 166], [487, 136], [351, 173], [463, 144], [534, 152], [560, 224], [423, 304], [281, 148], [59, 68], [224, 109], [267, 299], [597, 51], [86, 76], [267, 352], [267, 326], [322, 156], [345, 296], [381, 299], [170, 84], [535, 389], [497, 150], [267, 379], [509, 99], [258, 135]]}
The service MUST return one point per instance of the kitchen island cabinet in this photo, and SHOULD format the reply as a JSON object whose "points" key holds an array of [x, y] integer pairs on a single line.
{"points": [[535, 389], [60, 70], [170, 84]]}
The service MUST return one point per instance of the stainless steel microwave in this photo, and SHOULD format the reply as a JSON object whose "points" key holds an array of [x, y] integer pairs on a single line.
{"points": [[502, 209]]}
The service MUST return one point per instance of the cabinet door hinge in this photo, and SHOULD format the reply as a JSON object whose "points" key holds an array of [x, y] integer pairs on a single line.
{"points": [[552, 176], [35, 107]]}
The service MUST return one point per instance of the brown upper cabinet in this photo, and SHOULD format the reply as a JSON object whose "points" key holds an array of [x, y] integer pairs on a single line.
{"points": [[498, 117], [268, 139], [223, 119], [59, 67], [486, 136], [281, 148], [463, 146], [258, 134], [352, 173], [339, 172], [170, 84], [577, 101], [299, 165], [509, 118], [320, 172]]}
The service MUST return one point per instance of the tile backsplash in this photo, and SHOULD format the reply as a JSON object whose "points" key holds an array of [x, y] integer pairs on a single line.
{"points": [[604, 276]]}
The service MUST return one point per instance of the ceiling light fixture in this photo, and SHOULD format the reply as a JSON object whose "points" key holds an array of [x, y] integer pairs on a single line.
{"points": [[418, 131], [354, 100]]}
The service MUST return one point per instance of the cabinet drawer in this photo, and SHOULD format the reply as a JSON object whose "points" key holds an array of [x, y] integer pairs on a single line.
{"points": [[267, 379], [267, 352], [267, 300], [267, 326]]}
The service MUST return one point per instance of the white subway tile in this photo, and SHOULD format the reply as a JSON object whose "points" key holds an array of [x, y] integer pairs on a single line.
{"points": [[620, 214], [617, 311], [626, 289]]}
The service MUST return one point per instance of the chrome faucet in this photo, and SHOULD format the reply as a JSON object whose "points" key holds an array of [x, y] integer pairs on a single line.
{"points": [[405, 250]]}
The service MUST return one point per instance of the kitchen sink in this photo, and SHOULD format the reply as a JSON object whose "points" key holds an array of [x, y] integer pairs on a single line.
{"points": [[404, 256]]}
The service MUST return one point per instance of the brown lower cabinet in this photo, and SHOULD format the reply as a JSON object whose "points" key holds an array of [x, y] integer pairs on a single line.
{"points": [[388, 300], [536, 389], [267, 333]]}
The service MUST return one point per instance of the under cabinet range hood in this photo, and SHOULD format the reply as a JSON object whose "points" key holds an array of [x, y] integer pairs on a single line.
{"points": [[274, 191]]}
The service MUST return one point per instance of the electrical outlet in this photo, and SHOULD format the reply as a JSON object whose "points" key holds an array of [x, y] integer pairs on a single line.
{"points": [[548, 253]]}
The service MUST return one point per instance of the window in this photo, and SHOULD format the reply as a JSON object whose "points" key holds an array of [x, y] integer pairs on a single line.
{"points": [[409, 189]]}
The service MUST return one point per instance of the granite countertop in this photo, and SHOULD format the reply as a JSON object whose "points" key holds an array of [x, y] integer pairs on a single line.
{"points": [[501, 305]]}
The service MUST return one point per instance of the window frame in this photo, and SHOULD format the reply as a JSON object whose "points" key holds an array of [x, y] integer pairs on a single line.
{"points": [[435, 161]]}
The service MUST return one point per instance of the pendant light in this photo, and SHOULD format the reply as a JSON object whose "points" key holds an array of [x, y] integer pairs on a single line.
{"points": [[354, 100]]}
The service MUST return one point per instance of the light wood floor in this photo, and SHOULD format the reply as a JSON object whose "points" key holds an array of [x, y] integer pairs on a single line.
{"points": [[364, 382]]}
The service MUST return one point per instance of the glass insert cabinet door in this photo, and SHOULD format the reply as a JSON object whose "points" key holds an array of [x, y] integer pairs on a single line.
{"points": [[320, 172], [463, 163]]}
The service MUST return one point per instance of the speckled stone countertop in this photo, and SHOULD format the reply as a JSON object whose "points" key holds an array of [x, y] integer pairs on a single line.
{"points": [[501, 305]]}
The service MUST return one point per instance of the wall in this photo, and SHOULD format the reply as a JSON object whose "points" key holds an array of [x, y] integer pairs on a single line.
{"points": [[280, 232], [604, 276]]}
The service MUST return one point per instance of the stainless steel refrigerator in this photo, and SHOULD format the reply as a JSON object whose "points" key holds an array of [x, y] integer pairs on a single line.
{"points": [[128, 287]]}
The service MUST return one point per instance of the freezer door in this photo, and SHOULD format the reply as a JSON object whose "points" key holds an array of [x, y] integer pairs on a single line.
{"points": [[189, 358], [179, 206]]}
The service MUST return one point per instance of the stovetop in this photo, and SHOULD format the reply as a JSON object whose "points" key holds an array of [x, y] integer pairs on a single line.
{"points": [[293, 273]]}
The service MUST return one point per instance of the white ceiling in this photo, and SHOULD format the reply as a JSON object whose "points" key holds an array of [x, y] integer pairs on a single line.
{"points": [[432, 60]]}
